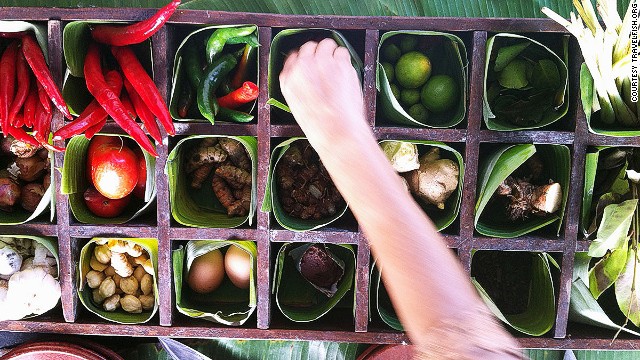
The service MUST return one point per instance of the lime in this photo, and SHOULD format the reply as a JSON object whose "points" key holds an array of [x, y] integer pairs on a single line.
{"points": [[408, 43], [391, 52], [440, 93], [419, 113], [409, 97], [388, 69], [413, 70], [395, 90]]}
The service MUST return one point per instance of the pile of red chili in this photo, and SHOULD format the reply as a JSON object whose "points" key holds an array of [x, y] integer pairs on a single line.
{"points": [[126, 93], [25, 103]]}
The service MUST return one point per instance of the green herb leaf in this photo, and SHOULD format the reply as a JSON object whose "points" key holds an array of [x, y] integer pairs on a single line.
{"points": [[628, 289], [607, 270], [507, 54], [514, 75], [614, 228], [546, 75]]}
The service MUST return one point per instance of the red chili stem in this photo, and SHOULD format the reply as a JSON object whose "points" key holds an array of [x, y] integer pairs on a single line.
{"points": [[44, 98], [7, 83], [24, 80], [22, 135], [98, 87], [144, 85], [135, 33], [94, 129], [92, 114], [247, 93], [145, 115], [29, 108], [42, 128], [35, 58]]}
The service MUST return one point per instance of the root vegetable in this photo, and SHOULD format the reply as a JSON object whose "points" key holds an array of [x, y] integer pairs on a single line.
{"points": [[31, 195], [9, 193], [121, 264], [237, 153], [200, 175], [402, 155], [30, 169], [32, 291], [435, 180], [526, 199], [10, 260], [234, 176], [22, 149], [205, 155]]}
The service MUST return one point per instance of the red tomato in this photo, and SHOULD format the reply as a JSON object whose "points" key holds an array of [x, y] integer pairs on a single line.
{"points": [[141, 186], [112, 167], [102, 206]]}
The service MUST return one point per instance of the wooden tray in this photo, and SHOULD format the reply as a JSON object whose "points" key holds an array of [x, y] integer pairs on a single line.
{"points": [[267, 323]]}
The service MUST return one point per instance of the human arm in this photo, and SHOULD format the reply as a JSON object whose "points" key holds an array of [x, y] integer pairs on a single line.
{"points": [[432, 294]]}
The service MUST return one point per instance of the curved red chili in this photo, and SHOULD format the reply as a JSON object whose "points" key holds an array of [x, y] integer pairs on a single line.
{"points": [[98, 87], [22, 74], [144, 85], [134, 33], [8, 83], [22, 135], [242, 95], [29, 108], [145, 115], [35, 58], [94, 129], [44, 98]]}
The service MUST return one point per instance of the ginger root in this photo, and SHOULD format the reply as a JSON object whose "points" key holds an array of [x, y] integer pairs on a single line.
{"points": [[237, 153], [435, 180], [526, 199]]}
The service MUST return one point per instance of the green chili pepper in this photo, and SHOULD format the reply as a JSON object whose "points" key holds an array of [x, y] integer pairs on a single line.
{"points": [[213, 76], [251, 40], [234, 115], [193, 65], [220, 36]]}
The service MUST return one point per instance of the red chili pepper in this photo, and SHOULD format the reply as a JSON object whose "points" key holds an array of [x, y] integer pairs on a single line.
{"points": [[18, 121], [144, 86], [137, 32], [7, 83], [22, 73], [98, 87], [35, 58], [44, 98], [94, 129], [92, 114], [42, 128], [145, 115], [22, 135], [128, 105], [29, 108], [247, 93]]}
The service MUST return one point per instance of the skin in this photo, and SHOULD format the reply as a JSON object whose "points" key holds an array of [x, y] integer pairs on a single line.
{"points": [[427, 284]]}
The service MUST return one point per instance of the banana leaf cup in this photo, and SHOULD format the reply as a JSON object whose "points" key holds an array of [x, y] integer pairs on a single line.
{"points": [[273, 203], [299, 299], [201, 207], [75, 182], [379, 301], [447, 55], [442, 218], [228, 304], [85, 292], [189, 59], [503, 161], [532, 311], [525, 83], [48, 201], [288, 40]]}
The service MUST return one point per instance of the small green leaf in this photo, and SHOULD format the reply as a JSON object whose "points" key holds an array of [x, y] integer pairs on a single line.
{"points": [[507, 54], [607, 270], [514, 75], [628, 289], [546, 75], [278, 104], [614, 228]]}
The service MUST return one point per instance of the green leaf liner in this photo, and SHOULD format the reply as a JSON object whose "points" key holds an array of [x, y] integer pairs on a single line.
{"points": [[290, 39], [498, 166], [75, 182], [226, 305], [298, 300], [201, 35], [503, 39], [76, 37], [442, 218], [271, 201], [588, 95], [449, 59], [379, 299], [201, 208], [119, 316], [52, 245], [540, 314]]}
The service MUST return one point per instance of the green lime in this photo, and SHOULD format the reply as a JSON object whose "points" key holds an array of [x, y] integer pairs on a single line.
{"points": [[391, 52], [440, 93], [413, 70], [419, 113], [388, 69], [408, 43], [409, 97], [395, 90]]}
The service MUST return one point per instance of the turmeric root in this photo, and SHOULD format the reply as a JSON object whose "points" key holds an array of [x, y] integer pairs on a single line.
{"points": [[237, 153], [234, 176], [526, 199], [222, 191], [244, 196], [205, 155], [200, 175]]}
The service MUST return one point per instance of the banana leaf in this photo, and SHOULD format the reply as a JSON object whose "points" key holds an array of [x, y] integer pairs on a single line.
{"points": [[540, 354], [228, 305], [119, 316], [271, 201], [587, 96], [442, 218], [76, 37], [75, 183], [606, 354], [200, 207], [290, 39], [502, 48], [540, 314], [501, 163], [297, 299], [198, 39], [380, 301], [448, 57]]}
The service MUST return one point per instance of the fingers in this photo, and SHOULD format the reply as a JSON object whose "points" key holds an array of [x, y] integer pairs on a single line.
{"points": [[326, 47], [307, 49], [342, 54], [288, 64]]}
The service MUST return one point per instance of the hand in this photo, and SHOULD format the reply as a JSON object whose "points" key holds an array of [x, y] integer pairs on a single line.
{"points": [[323, 91]]}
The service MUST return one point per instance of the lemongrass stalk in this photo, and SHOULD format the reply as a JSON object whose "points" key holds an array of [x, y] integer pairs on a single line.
{"points": [[626, 94], [609, 13], [623, 44], [622, 111], [588, 14], [622, 67]]}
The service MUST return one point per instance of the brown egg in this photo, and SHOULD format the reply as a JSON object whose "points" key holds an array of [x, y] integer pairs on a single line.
{"points": [[206, 272], [237, 264]]}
